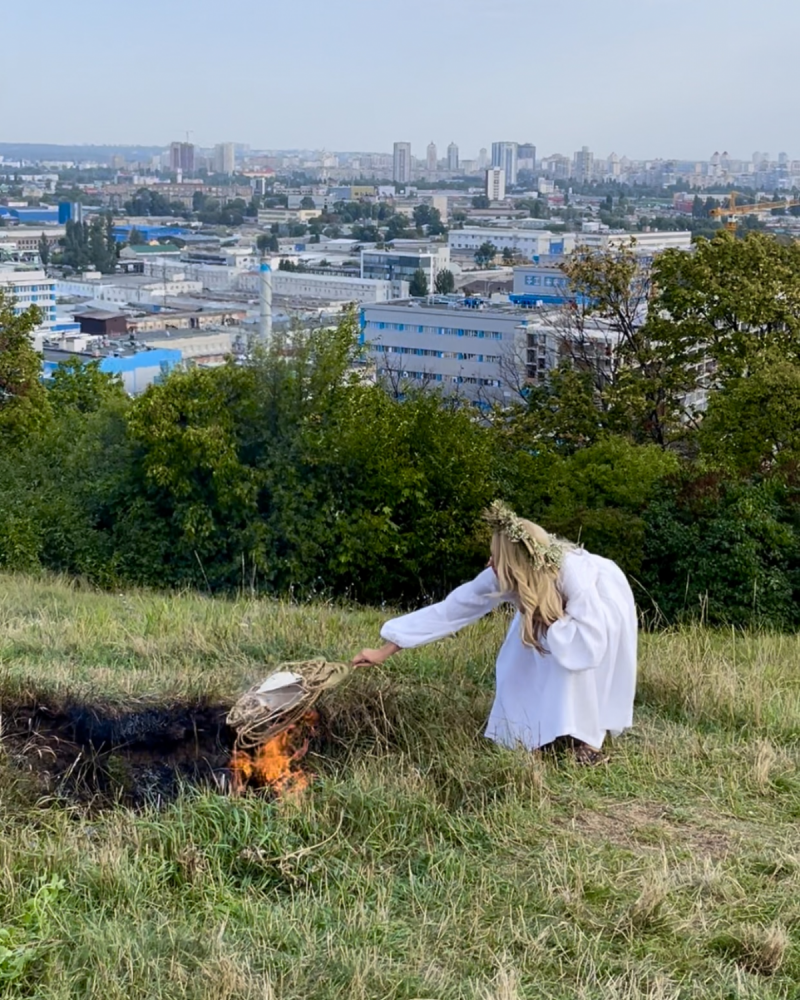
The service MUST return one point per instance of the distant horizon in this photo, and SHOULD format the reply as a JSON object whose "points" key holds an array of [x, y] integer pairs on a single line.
{"points": [[155, 147]]}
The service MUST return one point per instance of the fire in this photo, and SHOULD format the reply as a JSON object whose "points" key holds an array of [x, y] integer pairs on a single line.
{"points": [[274, 764]]}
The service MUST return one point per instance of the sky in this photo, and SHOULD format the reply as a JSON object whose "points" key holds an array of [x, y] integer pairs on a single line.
{"points": [[643, 78]]}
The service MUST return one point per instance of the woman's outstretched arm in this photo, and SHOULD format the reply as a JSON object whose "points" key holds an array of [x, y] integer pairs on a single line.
{"points": [[466, 604]]}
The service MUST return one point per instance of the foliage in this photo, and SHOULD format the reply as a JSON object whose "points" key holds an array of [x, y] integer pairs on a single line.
{"points": [[445, 283], [265, 473], [753, 422], [485, 254], [268, 241], [149, 201], [81, 386], [44, 250], [727, 550], [734, 298], [418, 286], [90, 245], [641, 365], [429, 220], [23, 404]]}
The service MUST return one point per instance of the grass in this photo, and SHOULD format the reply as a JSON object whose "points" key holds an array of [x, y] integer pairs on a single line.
{"points": [[424, 862]]}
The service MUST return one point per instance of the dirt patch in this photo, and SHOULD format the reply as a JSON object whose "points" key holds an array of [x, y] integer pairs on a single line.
{"points": [[646, 826], [96, 754]]}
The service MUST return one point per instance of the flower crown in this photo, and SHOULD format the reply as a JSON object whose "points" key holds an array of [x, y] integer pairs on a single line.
{"points": [[503, 519]]}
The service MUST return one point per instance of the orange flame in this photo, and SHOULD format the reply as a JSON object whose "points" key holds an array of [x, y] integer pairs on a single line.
{"points": [[273, 765]]}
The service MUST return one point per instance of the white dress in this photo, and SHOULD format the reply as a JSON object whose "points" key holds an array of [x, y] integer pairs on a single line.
{"points": [[582, 687]]}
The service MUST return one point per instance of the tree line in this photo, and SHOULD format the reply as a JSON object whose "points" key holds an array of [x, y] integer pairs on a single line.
{"points": [[671, 445]]}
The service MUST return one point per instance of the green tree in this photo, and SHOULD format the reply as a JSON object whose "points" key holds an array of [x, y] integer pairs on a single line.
{"points": [[135, 238], [268, 241], [23, 401], [752, 424], [307, 202], [641, 371], [509, 255], [445, 283], [396, 227], [485, 254], [481, 201], [418, 286], [82, 387], [734, 300], [44, 250]]}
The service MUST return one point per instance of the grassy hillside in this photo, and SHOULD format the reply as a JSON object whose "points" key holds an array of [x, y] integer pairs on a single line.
{"points": [[423, 862]]}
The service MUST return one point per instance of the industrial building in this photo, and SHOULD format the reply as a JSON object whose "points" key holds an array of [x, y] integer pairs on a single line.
{"points": [[29, 286], [525, 242], [399, 265], [488, 353], [464, 346]]}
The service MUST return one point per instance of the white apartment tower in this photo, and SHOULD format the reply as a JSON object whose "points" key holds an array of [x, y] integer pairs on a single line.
{"points": [[224, 158], [452, 157], [583, 165], [432, 158], [401, 173], [495, 184], [505, 155]]}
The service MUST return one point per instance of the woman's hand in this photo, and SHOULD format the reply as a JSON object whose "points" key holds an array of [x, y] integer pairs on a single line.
{"points": [[374, 657]]}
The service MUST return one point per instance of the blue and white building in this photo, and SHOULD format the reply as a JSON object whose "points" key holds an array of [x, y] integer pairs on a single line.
{"points": [[525, 242], [29, 286], [483, 351]]}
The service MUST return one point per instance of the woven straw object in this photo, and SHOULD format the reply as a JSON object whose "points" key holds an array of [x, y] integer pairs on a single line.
{"points": [[282, 699]]}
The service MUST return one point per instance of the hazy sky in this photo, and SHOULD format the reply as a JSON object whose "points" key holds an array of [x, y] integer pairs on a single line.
{"points": [[645, 78]]}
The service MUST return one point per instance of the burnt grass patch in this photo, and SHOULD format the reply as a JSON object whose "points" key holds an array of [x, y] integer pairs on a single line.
{"points": [[99, 754]]}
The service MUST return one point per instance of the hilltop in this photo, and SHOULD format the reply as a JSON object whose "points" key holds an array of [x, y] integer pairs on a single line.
{"points": [[423, 861]]}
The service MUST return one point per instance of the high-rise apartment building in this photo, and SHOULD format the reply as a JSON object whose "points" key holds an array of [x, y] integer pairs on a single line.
{"points": [[483, 159], [181, 157], [583, 165], [452, 157], [526, 156], [225, 158], [505, 155], [432, 161], [495, 184], [401, 173]]}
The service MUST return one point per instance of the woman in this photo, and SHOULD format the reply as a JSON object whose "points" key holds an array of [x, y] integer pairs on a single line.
{"points": [[566, 673]]}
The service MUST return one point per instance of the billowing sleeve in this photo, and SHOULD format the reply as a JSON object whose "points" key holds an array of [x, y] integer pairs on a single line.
{"points": [[466, 604], [580, 639]]}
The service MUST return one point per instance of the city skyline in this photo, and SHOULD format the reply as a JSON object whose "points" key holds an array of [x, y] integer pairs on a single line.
{"points": [[645, 78]]}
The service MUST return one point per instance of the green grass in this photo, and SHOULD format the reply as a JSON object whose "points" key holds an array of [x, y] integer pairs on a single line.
{"points": [[424, 862]]}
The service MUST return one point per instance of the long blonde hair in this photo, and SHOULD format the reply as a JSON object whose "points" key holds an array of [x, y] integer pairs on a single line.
{"points": [[535, 590]]}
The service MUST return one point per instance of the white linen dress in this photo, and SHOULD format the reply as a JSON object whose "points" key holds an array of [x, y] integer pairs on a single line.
{"points": [[583, 686]]}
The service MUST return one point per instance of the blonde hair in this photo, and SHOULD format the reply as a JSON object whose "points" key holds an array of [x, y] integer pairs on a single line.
{"points": [[534, 587]]}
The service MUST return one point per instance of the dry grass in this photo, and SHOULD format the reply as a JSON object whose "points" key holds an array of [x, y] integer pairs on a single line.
{"points": [[424, 862]]}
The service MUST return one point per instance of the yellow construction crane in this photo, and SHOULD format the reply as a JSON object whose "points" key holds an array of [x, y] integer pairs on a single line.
{"points": [[733, 210]]}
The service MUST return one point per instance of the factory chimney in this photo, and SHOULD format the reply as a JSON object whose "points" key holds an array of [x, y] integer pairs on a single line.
{"points": [[265, 300]]}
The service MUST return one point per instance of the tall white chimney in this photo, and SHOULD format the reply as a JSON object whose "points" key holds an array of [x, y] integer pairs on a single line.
{"points": [[265, 300]]}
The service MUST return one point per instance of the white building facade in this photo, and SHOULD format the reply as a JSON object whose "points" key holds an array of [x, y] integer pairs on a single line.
{"points": [[401, 172], [495, 184], [397, 266], [527, 242], [28, 287]]}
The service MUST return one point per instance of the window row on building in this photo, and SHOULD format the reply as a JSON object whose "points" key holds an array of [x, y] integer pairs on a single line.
{"points": [[494, 383], [425, 353], [438, 330]]}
